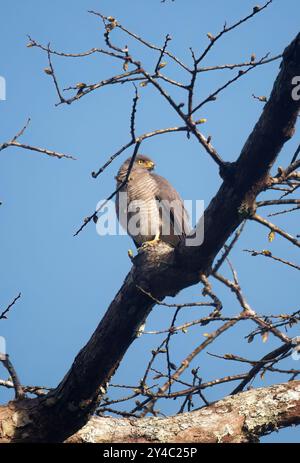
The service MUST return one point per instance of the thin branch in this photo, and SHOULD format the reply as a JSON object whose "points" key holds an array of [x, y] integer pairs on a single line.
{"points": [[111, 159], [36, 390], [15, 143], [122, 184], [202, 321], [34, 43], [51, 153], [226, 29], [163, 51], [143, 41], [191, 125], [132, 142], [270, 255], [118, 79], [19, 393], [275, 229], [186, 304], [148, 404], [283, 174], [227, 249], [20, 133], [296, 155], [3, 315], [52, 73], [253, 372], [167, 344], [194, 389], [277, 202], [285, 211], [239, 65], [240, 74], [247, 310], [133, 115], [235, 288], [150, 363]]}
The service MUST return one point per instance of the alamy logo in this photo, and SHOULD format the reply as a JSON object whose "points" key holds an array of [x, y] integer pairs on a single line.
{"points": [[296, 89], [2, 348], [296, 349], [2, 88], [146, 218]]}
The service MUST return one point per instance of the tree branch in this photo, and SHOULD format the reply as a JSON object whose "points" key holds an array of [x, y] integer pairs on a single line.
{"points": [[242, 418]]}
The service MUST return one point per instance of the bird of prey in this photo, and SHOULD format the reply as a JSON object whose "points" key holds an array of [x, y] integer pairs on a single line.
{"points": [[147, 205]]}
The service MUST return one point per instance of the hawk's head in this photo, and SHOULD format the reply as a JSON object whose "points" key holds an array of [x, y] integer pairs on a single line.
{"points": [[140, 162], [143, 162]]}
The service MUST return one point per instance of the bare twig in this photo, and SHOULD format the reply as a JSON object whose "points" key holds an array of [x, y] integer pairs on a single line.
{"points": [[132, 142], [270, 255], [3, 315], [296, 155], [133, 114], [15, 143], [226, 29], [143, 41], [238, 65], [214, 94], [36, 390], [180, 306], [52, 73], [148, 404], [227, 249], [102, 205], [277, 202], [275, 229], [19, 393], [274, 355], [163, 51], [285, 211]]}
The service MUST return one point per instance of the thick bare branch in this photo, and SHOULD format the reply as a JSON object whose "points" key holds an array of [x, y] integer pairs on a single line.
{"points": [[242, 418]]}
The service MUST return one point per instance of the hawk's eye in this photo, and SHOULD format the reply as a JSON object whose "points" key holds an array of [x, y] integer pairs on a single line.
{"points": [[140, 161]]}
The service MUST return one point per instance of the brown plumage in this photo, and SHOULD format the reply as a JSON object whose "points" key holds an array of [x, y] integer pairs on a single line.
{"points": [[148, 207]]}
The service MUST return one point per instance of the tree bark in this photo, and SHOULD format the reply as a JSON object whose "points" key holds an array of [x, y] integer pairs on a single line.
{"points": [[241, 418], [163, 272]]}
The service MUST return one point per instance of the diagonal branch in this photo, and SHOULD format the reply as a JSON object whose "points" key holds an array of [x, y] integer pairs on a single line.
{"points": [[3, 315], [275, 229], [226, 29]]}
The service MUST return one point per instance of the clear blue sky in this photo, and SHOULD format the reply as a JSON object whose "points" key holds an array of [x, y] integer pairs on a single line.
{"points": [[66, 282]]}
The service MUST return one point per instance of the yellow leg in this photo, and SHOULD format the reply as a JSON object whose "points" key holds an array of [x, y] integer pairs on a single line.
{"points": [[152, 242]]}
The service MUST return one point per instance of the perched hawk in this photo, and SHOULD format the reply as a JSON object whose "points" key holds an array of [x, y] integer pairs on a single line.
{"points": [[148, 207]]}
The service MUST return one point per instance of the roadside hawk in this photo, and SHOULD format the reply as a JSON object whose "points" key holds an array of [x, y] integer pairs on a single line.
{"points": [[148, 207]]}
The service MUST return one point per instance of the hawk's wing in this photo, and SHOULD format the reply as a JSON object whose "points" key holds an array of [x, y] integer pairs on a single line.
{"points": [[177, 213]]}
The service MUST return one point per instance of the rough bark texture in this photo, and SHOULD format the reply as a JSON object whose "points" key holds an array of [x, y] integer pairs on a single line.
{"points": [[163, 272], [240, 418]]}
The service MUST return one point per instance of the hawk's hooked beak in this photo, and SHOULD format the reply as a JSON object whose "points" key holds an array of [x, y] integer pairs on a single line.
{"points": [[150, 165]]}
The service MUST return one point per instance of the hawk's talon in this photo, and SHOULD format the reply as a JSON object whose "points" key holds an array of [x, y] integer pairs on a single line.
{"points": [[153, 242]]}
